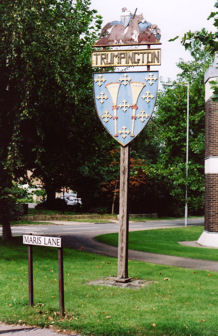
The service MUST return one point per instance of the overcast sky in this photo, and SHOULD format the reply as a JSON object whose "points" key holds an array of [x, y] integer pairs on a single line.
{"points": [[174, 17]]}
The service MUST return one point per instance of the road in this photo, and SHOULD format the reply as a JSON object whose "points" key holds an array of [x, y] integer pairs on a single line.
{"points": [[80, 236], [64, 228]]}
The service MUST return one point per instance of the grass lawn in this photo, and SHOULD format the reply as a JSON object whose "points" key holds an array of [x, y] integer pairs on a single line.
{"points": [[44, 215], [47, 221], [165, 241], [28, 222], [180, 302], [36, 212]]}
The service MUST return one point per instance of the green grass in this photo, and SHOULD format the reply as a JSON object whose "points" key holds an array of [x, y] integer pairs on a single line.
{"points": [[44, 222], [136, 218], [27, 222], [180, 302], [76, 214], [92, 217], [165, 241], [43, 215]]}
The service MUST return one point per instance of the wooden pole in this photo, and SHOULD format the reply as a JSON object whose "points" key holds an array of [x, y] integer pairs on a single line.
{"points": [[30, 273], [61, 280], [123, 216]]}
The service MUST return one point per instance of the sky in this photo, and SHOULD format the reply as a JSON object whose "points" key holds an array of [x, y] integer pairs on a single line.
{"points": [[173, 17]]}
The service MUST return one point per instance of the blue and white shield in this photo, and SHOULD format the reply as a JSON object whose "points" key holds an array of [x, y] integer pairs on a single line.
{"points": [[125, 102]]}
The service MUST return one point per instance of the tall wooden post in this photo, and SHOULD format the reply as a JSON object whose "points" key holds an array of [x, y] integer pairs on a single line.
{"points": [[123, 216]]}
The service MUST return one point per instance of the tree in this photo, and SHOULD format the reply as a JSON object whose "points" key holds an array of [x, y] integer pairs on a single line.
{"points": [[47, 94], [207, 40], [202, 41], [171, 121]]}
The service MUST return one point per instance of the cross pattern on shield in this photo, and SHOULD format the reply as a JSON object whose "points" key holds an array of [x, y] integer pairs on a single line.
{"points": [[125, 102]]}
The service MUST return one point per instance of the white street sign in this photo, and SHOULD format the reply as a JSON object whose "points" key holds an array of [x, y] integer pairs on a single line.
{"points": [[42, 241]]}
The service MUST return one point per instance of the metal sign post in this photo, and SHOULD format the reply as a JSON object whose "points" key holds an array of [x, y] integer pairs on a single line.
{"points": [[125, 100], [32, 240]]}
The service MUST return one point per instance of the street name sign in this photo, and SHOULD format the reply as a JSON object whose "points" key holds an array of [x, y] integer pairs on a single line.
{"points": [[42, 241], [33, 240]]}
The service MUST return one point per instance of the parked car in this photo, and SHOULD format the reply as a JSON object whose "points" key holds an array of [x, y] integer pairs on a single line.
{"points": [[71, 199], [63, 203]]}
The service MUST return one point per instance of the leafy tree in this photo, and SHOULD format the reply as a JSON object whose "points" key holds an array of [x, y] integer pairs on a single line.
{"points": [[207, 40], [46, 92], [171, 121], [202, 41]]}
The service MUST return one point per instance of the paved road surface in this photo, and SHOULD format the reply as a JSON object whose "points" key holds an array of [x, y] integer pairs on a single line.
{"points": [[17, 330], [94, 229], [81, 236]]}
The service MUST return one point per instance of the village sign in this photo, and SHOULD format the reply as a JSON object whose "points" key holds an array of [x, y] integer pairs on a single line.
{"points": [[125, 99]]}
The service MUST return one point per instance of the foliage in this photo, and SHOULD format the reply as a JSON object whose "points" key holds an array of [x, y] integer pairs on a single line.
{"points": [[48, 123], [45, 46], [45, 92], [171, 121], [203, 40], [207, 40]]}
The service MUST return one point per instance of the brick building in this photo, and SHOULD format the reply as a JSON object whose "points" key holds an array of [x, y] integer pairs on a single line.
{"points": [[210, 235]]}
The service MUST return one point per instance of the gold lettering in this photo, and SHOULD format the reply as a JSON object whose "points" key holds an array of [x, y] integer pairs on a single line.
{"points": [[103, 58], [129, 58], [95, 59], [126, 57], [149, 57], [110, 58], [137, 59], [134, 58], [122, 57], [156, 56], [143, 54], [116, 59]]}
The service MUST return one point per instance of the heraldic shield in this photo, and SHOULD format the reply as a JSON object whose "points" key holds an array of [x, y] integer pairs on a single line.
{"points": [[125, 102]]}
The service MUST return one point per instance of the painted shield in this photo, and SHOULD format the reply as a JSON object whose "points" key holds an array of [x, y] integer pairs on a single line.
{"points": [[125, 102]]}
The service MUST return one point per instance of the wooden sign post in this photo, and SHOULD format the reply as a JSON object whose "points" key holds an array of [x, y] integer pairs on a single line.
{"points": [[123, 216], [125, 100]]}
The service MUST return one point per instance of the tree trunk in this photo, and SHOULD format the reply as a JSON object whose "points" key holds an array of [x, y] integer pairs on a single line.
{"points": [[6, 229], [50, 191], [5, 219]]}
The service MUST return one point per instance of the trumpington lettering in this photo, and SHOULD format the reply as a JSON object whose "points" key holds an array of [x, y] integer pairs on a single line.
{"points": [[126, 58]]}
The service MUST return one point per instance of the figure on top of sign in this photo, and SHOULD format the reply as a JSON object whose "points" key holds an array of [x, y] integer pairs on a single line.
{"points": [[125, 17], [132, 29]]}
